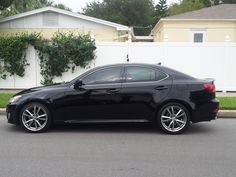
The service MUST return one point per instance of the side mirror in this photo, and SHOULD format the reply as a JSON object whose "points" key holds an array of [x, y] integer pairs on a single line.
{"points": [[78, 84]]}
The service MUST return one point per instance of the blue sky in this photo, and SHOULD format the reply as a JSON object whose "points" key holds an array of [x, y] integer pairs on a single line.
{"points": [[77, 5]]}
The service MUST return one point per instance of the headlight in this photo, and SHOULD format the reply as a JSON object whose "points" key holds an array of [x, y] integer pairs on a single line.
{"points": [[14, 99]]}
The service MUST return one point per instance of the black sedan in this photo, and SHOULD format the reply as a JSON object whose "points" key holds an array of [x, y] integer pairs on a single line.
{"points": [[118, 93]]}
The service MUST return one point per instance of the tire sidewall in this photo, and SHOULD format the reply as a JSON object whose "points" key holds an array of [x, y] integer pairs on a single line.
{"points": [[163, 128], [49, 121]]}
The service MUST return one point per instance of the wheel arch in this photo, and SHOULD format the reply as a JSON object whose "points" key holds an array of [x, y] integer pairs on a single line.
{"points": [[41, 101], [184, 103]]}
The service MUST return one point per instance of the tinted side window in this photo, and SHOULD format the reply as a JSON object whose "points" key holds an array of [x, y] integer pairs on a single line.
{"points": [[160, 75], [143, 74], [104, 76]]}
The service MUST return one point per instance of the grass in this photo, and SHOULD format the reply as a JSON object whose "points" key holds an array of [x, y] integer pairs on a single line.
{"points": [[4, 98], [227, 103]]}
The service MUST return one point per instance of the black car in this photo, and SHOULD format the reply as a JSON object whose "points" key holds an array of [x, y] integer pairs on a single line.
{"points": [[118, 93]]}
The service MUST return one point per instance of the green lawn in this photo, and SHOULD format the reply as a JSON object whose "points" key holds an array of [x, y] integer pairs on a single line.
{"points": [[228, 103], [4, 98]]}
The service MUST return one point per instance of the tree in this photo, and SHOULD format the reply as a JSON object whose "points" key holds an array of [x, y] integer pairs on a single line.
{"points": [[95, 9], [207, 3], [160, 10], [46, 2], [5, 4], [229, 1], [185, 6], [215, 2], [20, 6], [61, 6], [136, 13]]}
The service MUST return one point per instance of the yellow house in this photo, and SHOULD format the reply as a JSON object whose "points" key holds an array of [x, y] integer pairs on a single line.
{"points": [[212, 24], [49, 20]]}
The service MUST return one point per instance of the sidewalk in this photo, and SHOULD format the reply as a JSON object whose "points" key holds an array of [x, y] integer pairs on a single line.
{"points": [[225, 94]]}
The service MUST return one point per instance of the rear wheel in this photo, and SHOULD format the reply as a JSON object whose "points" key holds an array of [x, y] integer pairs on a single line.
{"points": [[35, 118], [173, 118]]}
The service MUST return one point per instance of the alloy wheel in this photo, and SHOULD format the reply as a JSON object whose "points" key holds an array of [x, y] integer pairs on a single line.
{"points": [[34, 117], [173, 118]]}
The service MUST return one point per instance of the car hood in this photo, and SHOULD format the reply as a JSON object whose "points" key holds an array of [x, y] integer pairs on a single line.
{"points": [[43, 88]]}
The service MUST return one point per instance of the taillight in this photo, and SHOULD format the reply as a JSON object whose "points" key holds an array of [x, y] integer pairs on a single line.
{"points": [[210, 87], [216, 110]]}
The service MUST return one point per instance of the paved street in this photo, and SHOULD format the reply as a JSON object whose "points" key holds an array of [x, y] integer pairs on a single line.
{"points": [[134, 150]]}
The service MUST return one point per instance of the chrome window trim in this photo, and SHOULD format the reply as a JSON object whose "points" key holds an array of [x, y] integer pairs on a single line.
{"points": [[128, 83]]}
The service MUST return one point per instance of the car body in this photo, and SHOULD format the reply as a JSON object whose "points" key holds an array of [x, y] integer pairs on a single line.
{"points": [[119, 93]]}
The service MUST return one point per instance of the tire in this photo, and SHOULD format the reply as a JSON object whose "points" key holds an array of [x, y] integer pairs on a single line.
{"points": [[35, 118], [173, 118]]}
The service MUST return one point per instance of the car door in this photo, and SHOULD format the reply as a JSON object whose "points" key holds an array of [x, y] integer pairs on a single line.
{"points": [[99, 97], [143, 89]]}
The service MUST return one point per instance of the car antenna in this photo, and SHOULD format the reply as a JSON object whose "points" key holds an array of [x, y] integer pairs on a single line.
{"points": [[159, 63]]}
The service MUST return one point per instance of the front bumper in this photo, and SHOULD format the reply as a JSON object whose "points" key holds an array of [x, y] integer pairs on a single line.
{"points": [[206, 111], [12, 114]]}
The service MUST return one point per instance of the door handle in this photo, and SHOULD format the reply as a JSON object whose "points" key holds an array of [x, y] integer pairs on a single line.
{"points": [[161, 87], [113, 90]]}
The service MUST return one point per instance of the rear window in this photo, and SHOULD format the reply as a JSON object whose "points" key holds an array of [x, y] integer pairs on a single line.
{"points": [[176, 74], [143, 74]]}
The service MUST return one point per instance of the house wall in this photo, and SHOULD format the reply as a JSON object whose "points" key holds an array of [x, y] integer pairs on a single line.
{"points": [[180, 31], [48, 23], [108, 34]]}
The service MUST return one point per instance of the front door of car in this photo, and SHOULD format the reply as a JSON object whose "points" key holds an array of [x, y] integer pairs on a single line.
{"points": [[98, 98], [143, 89]]}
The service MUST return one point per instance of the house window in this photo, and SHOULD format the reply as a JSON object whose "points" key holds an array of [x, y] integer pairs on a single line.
{"points": [[198, 36]]}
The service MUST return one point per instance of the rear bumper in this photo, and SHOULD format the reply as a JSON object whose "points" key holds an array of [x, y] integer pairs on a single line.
{"points": [[206, 111]]}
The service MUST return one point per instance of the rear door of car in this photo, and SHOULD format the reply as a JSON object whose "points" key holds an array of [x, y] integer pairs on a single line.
{"points": [[144, 87]]}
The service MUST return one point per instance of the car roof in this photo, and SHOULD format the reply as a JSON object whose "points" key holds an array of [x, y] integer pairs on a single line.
{"points": [[130, 64]]}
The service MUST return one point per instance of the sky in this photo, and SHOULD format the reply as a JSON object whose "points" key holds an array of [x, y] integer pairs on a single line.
{"points": [[77, 5]]}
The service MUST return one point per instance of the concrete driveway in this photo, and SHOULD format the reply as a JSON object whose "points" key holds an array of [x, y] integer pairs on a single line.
{"points": [[119, 150]]}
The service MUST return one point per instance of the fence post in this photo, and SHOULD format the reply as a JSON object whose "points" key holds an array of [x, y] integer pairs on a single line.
{"points": [[165, 47], [128, 44], [227, 40]]}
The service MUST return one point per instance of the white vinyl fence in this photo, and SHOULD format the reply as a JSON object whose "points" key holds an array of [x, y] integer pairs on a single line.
{"points": [[207, 60]]}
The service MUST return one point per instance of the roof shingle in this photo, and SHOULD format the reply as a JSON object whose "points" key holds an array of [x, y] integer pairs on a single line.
{"points": [[223, 11]]}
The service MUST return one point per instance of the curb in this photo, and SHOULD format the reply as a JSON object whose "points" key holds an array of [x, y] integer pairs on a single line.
{"points": [[227, 114], [221, 113], [2, 111]]}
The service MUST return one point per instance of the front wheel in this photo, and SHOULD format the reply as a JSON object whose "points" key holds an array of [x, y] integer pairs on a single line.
{"points": [[173, 118], [35, 118]]}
